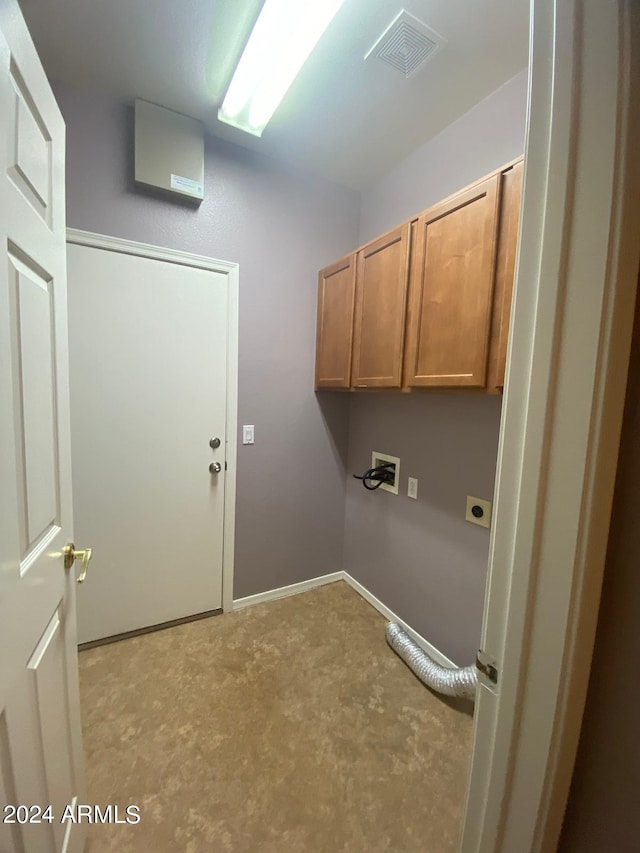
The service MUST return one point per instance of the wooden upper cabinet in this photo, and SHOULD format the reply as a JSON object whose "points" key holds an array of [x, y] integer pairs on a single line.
{"points": [[451, 295], [456, 261], [336, 289], [381, 293], [505, 270]]}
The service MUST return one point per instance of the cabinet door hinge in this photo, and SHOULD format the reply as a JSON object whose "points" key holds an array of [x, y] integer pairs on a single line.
{"points": [[487, 666]]}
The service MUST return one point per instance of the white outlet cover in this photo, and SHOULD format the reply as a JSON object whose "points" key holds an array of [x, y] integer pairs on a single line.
{"points": [[412, 488], [483, 520]]}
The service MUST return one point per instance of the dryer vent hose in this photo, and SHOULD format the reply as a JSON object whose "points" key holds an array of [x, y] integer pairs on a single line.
{"points": [[461, 681]]}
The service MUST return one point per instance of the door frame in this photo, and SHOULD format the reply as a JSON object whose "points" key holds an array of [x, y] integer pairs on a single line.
{"points": [[231, 270], [572, 318]]}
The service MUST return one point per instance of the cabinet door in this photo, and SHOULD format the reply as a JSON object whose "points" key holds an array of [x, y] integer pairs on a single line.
{"points": [[505, 270], [336, 288], [452, 289], [381, 295]]}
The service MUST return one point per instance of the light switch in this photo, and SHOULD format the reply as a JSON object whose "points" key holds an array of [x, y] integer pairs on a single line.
{"points": [[412, 488], [248, 434]]}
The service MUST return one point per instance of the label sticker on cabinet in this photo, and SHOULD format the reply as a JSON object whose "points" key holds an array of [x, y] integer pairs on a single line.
{"points": [[186, 185]]}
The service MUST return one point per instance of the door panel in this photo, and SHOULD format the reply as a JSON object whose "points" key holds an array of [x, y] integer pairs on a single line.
{"points": [[40, 747], [47, 668], [505, 271], [30, 163], [452, 288], [381, 292], [9, 833], [31, 296], [336, 288], [148, 360]]}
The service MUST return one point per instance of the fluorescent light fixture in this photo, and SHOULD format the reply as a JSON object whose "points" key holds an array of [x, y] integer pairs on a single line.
{"points": [[283, 37]]}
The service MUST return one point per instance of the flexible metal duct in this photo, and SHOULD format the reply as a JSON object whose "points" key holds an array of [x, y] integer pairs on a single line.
{"points": [[451, 682]]}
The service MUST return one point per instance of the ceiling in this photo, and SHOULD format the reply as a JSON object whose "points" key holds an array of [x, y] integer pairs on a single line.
{"points": [[344, 118]]}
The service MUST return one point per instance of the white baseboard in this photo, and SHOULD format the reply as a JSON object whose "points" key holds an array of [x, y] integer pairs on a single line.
{"points": [[305, 586], [425, 645], [286, 591]]}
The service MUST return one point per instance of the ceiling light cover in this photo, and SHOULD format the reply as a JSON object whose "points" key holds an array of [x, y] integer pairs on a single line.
{"points": [[406, 44], [283, 37]]}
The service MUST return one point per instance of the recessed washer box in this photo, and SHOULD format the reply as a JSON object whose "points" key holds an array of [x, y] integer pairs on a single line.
{"points": [[380, 459], [169, 151]]}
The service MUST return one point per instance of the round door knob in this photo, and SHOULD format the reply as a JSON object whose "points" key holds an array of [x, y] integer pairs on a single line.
{"points": [[215, 467], [214, 443]]}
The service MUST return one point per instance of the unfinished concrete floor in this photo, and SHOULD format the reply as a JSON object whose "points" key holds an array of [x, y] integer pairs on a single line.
{"points": [[286, 727]]}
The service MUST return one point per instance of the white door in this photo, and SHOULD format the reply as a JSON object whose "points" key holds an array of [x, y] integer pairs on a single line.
{"points": [[148, 361], [41, 760], [569, 353]]}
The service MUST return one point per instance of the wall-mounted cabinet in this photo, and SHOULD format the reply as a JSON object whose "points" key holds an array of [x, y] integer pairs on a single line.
{"points": [[336, 290], [382, 276], [511, 200], [426, 305], [452, 289]]}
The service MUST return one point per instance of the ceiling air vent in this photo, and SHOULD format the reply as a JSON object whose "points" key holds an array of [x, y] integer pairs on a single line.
{"points": [[406, 44]]}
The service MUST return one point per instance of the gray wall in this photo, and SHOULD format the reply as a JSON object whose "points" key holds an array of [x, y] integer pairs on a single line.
{"points": [[281, 227], [421, 558], [490, 134], [602, 812]]}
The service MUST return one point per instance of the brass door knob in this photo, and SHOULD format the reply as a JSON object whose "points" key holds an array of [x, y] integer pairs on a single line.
{"points": [[71, 555]]}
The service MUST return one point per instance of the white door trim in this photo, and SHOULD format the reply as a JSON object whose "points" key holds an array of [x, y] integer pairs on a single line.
{"points": [[231, 270], [568, 361]]}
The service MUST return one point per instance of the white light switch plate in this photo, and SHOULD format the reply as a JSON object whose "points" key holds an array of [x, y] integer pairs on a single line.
{"points": [[412, 488], [248, 434], [478, 511]]}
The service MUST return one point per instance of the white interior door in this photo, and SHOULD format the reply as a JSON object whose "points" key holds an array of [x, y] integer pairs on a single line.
{"points": [[148, 356], [570, 336], [40, 748]]}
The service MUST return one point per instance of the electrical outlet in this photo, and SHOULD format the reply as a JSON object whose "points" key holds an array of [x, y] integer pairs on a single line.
{"points": [[383, 459], [412, 488], [478, 511], [248, 434]]}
